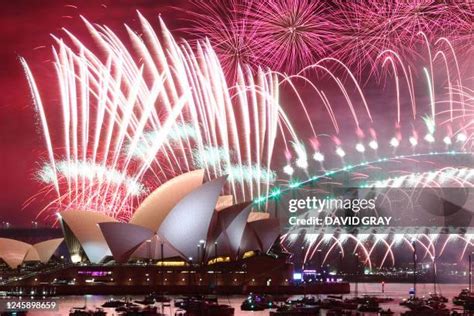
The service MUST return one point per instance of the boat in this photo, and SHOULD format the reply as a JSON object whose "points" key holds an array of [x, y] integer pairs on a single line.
{"points": [[462, 297], [426, 310], [85, 312], [160, 298], [293, 310], [147, 300], [386, 312], [78, 312], [202, 307], [251, 305], [305, 300], [138, 311], [438, 298], [255, 302], [113, 303], [412, 302], [126, 306], [338, 312], [366, 298], [370, 307]]}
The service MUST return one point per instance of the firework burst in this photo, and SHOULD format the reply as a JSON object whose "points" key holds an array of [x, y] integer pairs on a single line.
{"points": [[128, 127], [288, 35], [291, 34], [370, 27], [225, 25]]}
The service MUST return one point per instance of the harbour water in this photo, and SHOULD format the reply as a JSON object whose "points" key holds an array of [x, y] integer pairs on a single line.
{"points": [[397, 291]]}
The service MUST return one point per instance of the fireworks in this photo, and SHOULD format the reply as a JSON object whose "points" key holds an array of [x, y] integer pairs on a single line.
{"points": [[126, 132], [133, 119], [437, 178], [92, 173], [226, 27], [371, 27], [288, 35], [376, 250]]}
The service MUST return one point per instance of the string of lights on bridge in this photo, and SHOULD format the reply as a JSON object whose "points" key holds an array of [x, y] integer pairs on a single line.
{"points": [[278, 191]]}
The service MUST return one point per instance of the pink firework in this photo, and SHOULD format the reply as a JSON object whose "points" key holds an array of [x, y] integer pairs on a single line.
{"points": [[291, 34], [370, 27], [464, 36], [225, 25]]}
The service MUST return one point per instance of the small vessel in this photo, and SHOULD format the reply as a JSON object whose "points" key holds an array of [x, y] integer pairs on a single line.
{"points": [[437, 298], [462, 297], [126, 306], [251, 305], [85, 312], [386, 312], [113, 303], [147, 300], [18, 313], [295, 310], [255, 302], [412, 302], [370, 307], [372, 298], [137, 311], [202, 307], [160, 298], [338, 312], [305, 300], [426, 310]]}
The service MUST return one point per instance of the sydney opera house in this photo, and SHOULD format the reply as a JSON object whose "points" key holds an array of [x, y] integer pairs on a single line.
{"points": [[184, 237]]}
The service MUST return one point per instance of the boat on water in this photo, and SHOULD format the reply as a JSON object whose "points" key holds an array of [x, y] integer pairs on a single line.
{"points": [[141, 311], [339, 312], [202, 307], [464, 296], [160, 298], [113, 303], [127, 306], [337, 304], [85, 312], [255, 302], [147, 300], [386, 312], [370, 298], [426, 310], [305, 300], [437, 298], [369, 307], [425, 306], [412, 302], [295, 310]]}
